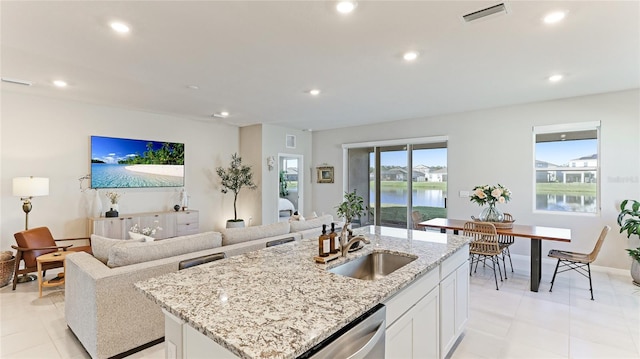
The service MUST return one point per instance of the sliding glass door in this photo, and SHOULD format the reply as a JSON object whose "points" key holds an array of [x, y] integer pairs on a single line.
{"points": [[385, 176]]}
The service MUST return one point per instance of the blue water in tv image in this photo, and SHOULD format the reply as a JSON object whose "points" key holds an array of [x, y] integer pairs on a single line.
{"points": [[129, 163]]}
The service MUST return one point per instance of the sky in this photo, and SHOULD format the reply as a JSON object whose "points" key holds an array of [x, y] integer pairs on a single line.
{"points": [[431, 157], [110, 150], [561, 152], [558, 153]]}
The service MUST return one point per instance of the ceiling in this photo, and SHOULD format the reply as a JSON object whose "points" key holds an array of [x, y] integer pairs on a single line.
{"points": [[258, 59]]}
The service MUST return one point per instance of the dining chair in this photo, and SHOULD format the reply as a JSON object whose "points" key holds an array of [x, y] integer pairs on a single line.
{"points": [[505, 242], [578, 261], [35, 242], [416, 217], [484, 245]]}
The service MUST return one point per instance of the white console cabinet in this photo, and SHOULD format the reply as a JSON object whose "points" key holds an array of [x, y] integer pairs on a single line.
{"points": [[173, 224]]}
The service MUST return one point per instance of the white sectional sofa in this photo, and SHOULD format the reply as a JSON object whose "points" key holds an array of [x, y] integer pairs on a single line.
{"points": [[110, 317]]}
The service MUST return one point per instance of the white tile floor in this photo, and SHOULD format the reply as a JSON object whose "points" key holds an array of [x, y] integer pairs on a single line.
{"points": [[510, 323]]}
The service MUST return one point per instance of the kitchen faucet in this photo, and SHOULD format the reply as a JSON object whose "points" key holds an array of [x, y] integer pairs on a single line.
{"points": [[358, 238]]}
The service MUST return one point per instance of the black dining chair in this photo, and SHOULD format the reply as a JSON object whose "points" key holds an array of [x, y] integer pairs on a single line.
{"points": [[578, 261]]}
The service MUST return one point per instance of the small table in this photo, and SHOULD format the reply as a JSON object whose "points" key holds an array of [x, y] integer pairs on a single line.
{"points": [[58, 256], [535, 233]]}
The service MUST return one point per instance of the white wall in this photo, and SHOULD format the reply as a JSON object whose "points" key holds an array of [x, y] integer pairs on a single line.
{"points": [[51, 138], [495, 145], [250, 201], [258, 142]]}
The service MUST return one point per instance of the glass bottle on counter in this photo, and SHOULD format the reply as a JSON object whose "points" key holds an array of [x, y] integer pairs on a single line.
{"points": [[334, 239], [324, 242]]}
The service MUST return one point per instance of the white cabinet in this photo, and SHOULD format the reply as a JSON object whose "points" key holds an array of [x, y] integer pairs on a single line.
{"points": [[415, 334], [172, 223], [454, 299], [425, 319]]}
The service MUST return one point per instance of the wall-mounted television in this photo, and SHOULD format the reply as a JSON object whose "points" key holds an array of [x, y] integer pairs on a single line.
{"points": [[129, 163]]}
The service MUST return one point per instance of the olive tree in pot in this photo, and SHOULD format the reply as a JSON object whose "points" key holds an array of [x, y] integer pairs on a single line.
{"points": [[352, 207], [234, 178], [631, 225]]}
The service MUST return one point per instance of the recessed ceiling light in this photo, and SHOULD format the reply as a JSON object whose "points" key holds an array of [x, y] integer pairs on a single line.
{"points": [[223, 114], [410, 55], [314, 92], [346, 7], [119, 27], [554, 17], [555, 78], [60, 83], [193, 87]]}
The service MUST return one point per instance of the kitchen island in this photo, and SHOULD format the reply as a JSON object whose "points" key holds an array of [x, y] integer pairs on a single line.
{"points": [[278, 303]]}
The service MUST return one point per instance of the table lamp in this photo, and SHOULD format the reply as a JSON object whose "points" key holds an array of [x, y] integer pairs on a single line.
{"points": [[27, 188]]}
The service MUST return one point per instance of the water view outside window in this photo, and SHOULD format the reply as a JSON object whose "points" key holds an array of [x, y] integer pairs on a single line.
{"points": [[566, 167], [428, 176]]}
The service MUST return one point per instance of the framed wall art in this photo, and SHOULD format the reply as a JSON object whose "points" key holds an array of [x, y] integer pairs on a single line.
{"points": [[325, 174]]}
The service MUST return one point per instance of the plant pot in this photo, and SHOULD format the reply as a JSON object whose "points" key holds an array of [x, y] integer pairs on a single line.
{"points": [[235, 224], [635, 272]]}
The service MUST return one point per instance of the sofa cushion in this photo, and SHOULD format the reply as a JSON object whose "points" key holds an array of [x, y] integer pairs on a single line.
{"points": [[100, 246], [299, 226], [239, 235], [138, 252]]}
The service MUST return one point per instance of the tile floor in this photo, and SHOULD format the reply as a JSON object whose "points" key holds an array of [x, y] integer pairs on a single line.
{"points": [[510, 323]]}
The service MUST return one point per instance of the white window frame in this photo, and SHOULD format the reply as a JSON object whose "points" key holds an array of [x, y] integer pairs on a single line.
{"points": [[569, 127]]}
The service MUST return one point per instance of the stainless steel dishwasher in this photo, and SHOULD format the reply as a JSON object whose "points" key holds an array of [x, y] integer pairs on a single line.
{"points": [[362, 338]]}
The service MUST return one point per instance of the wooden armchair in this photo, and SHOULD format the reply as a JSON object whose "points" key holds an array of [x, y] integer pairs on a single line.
{"points": [[35, 242]]}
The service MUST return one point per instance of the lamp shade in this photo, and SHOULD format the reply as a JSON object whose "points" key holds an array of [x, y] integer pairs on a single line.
{"points": [[30, 186]]}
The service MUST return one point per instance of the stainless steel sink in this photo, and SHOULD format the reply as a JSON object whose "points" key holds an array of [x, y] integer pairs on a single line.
{"points": [[373, 266]]}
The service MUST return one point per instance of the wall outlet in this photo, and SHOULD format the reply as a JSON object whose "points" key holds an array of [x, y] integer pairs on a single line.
{"points": [[464, 194]]}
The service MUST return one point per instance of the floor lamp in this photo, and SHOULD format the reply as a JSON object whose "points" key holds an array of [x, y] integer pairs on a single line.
{"points": [[26, 188]]}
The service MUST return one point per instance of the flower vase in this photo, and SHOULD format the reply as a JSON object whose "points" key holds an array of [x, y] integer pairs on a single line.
{"points": [[491, 214]]}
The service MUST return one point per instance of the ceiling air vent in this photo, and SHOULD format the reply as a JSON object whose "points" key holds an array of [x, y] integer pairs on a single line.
{"points": [[477, 15], [17, 82]]}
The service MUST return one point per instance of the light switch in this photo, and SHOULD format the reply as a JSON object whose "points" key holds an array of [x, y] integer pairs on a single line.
{"points": [[464, 194]]}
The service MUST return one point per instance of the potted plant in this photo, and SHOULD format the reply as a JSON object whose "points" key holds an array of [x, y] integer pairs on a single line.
{"points": [[352, 207], [284, 192], [234, 178], [631, 225]]}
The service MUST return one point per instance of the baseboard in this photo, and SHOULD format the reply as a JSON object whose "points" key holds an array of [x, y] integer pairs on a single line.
{"points": [[138, 349], [123, 354]]}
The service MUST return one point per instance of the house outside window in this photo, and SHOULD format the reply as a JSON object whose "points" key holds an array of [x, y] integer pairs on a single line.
{"points": [[567, 168]]}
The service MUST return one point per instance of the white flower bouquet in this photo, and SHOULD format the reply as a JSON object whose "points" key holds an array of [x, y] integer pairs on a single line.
{"points": [[490, 194], [145, 233]]}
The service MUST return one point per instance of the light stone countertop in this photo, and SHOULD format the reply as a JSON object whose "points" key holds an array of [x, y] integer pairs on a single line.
{"points": [[278, 302]]}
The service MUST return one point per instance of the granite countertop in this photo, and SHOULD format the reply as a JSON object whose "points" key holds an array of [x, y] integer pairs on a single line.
{"points": [[278, 302]]}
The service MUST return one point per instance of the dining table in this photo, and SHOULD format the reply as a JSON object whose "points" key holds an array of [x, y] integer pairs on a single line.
{"points": [[536, 234]]}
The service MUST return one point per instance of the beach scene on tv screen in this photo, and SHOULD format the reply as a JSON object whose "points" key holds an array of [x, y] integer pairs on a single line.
{"points": [[129, 163]]}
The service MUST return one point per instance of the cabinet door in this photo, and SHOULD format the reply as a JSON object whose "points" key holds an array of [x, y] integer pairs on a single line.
{"points": [[462, 297], [426, 339], [187, 222], [152, 221], [415, 333], [399, 338], [110, 228], [447, 313]]}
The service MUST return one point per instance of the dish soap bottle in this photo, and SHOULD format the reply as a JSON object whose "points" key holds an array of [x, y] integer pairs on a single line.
{"points": [[333, 239], [323, 243]]}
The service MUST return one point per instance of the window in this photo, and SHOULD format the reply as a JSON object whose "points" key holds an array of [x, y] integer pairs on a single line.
{"points": [[567, 168]]}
